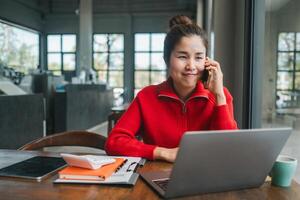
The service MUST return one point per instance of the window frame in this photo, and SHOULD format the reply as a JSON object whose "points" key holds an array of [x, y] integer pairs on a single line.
{"points": [[150, 51], [293, 70], [62, 53], [108, 51]]}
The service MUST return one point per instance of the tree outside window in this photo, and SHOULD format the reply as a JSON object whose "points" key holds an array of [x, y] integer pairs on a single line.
{"points": [[19, 48], [108, 61]]}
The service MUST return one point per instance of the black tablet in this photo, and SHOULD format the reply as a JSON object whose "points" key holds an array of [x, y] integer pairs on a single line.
{"points": [[38, 168]]}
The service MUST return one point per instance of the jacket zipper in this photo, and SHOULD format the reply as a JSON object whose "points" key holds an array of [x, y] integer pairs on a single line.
{"points": [[182, 102]]}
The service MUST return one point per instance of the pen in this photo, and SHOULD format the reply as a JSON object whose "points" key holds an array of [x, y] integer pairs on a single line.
{"points": [[121, 165]]}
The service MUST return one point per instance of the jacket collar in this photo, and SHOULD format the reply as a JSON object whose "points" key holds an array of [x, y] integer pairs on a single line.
{"points": [[166, 89]]}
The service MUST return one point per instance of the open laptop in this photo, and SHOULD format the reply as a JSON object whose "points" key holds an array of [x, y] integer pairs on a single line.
{"points": [[217, 161]]}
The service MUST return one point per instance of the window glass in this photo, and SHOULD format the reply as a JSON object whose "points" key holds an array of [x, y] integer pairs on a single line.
{"points": [[108, 61], [142, 61], [102, 75], [283, 99], [19, 48], [69, 43], [297, 81], [100, 61], [157, 61], [285, 61], [157, 41], [284, 80], [54, 43], [297, 61], [54, 61], [100, 42], [69, 62], [116, 60], [286, 41], [288, 69], [158, 77], [298, 42], [116, 78], [141, 78], [149, 64], [142, 42], [64, 58], [116, 42]]}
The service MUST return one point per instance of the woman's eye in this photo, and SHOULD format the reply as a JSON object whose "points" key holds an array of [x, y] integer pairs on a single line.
{"points": [[199, 58], [182, 57]]}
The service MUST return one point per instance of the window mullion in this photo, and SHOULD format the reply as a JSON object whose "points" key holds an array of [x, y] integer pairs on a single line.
{"points": [[108, 58], [150, 60], [61, 55]]}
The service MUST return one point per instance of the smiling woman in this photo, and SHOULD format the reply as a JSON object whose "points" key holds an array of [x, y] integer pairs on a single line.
{"points": [[162, 113], [187, 65]]}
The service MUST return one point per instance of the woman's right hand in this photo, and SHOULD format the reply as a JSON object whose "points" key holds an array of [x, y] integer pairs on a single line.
{"points": [[166, 154]]}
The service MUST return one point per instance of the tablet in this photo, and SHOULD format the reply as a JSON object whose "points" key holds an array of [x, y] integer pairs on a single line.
{"points": [[37, 168]]}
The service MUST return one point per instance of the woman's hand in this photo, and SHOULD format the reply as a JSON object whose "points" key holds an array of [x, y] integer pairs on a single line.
{"points": [[215, 80], [166, 154]]}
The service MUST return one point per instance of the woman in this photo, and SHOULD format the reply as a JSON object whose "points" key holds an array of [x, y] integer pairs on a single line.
{"points": [[161, 114]]}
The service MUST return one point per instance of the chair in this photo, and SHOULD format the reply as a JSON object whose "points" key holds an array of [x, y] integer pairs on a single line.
{"points": [[69, 138], [113, 118]]}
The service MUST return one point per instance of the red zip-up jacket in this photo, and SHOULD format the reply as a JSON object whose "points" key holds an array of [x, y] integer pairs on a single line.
{"points": [[161, 118]]}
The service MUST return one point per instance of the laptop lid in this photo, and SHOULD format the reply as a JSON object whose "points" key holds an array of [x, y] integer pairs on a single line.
{"points": [[216, 161]]}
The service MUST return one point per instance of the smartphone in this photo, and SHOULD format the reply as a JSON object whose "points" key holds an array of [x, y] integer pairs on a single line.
{"points": [[204, 76]]}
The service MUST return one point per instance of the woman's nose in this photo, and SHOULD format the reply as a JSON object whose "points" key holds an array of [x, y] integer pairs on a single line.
{"points": [[190, 65]]}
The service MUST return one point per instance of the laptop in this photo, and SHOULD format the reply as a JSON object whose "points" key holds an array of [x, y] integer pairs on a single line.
{"points": [[218, 161]]}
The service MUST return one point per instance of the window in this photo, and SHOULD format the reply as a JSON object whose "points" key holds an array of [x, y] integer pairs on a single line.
{"points": [[108, 61], [288, 70], [149, 64], [61, 53], [19, 47]]}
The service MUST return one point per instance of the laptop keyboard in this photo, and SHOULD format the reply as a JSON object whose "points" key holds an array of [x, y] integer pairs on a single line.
{"points": [[162, 183]]}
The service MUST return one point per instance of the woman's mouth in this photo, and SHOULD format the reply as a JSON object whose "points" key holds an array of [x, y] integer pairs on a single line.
{"points": [[189, 74]]}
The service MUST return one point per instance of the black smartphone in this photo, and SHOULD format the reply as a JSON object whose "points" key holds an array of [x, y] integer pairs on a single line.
{"points": [[204, 76]]}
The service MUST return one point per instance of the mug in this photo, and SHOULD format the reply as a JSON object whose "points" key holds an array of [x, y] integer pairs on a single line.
{"points": [[283, 171]]}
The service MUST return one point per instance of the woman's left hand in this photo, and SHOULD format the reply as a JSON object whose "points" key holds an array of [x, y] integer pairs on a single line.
{"points": [[215, 80]]}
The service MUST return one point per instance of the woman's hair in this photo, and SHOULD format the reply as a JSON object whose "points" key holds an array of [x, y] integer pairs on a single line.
{"points": [[181, 26]]}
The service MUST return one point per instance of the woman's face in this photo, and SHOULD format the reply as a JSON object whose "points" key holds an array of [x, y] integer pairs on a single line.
{"points": [[187, 62]]}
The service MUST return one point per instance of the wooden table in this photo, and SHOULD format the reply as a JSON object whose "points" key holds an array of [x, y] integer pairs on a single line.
{"points": [[16, 188]]}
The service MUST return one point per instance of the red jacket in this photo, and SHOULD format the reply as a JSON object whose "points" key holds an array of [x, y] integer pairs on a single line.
{"points": [[161, 118]]}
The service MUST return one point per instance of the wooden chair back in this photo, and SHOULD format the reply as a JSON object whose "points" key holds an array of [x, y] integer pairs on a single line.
{"points": [[69, 138]]}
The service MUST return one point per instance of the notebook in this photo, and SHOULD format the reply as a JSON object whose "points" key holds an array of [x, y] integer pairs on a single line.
{"points": [[78, 173], [126, 175]]}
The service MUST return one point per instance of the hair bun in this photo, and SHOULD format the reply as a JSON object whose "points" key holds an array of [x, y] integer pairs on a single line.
{"points": [[179, 20]]}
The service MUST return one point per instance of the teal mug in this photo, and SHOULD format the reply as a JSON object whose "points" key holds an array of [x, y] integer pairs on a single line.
{"points": [[283, 171]]}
